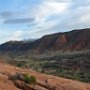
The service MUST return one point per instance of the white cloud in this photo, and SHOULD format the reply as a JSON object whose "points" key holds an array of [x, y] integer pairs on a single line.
{"points": [[45, 10], [16, 35], [10, 35], [42, 27], [67, 15], [50, 8], [56, 7], [59, 0]]}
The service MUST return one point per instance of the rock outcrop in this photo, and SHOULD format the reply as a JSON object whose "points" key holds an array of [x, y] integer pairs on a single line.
{"points": [[44, 82]]}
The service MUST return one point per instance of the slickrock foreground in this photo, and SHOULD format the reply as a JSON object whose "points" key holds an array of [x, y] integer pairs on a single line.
{"points": [[44, 82]]}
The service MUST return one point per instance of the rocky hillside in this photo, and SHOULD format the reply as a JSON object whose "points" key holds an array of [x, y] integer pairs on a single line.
{"points": [[68, 41], [73, 40], [9, 80]]}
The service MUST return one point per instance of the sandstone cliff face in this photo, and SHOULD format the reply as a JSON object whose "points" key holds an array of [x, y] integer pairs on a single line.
{"points": [[60, 42], [73, 40]]}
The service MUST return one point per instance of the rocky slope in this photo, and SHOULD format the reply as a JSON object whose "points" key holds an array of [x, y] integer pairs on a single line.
{"points": [[44, 82], [68, 41], [73, 40]]}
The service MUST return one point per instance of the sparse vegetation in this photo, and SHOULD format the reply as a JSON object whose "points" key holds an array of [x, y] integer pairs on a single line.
{"points": [[74, 65], [20, 65], [26, 78], [32, 79], [29, 79]]}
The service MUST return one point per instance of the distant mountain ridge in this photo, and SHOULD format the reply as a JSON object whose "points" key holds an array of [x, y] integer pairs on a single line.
{"points": [[67, 41]]}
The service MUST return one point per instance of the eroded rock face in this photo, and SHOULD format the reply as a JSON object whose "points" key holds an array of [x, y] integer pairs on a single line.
{"points": [[61, 40], [73, 40]]}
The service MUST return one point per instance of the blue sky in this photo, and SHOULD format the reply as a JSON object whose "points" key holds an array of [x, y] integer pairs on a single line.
{"points": [[25, 19]]}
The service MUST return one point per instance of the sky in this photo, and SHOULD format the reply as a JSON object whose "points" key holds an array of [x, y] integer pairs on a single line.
{"points": [[31, 19]]}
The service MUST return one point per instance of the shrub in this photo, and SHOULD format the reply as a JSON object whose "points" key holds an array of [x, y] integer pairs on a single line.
{"points": [[32, 79], [26, 78], [29, 79], [20, 65]]}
